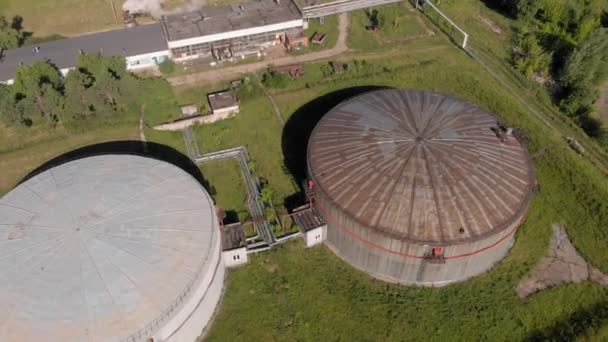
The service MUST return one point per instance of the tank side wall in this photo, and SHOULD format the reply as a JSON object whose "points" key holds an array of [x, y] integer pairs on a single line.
{"points": [[408, 270], [203, 314], [194, 315]]}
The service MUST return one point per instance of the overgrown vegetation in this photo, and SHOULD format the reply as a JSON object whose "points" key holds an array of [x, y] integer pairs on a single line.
{"points": [[275, 80], [565, 41], [167, 67], [99, 91]]}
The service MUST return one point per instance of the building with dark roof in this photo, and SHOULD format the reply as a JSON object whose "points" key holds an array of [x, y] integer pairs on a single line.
{"points": [[417, 187], [214, 32], [234, 245], [311, 223], [142, 46], [223, 102]]}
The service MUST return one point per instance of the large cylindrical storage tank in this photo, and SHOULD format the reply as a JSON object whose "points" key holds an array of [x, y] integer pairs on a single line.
{"points": [[108, 248], [418, 187]]}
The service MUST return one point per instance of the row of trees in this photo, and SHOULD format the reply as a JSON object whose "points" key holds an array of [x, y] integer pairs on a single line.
{"points": [[566, 40], [97, 90]]}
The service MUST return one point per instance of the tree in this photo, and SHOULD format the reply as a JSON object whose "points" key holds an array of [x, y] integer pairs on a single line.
{"points": [[10, 112], [78, 97], [98, 65], [38, 90], [10, 37], [585, 69], [528, 56]]}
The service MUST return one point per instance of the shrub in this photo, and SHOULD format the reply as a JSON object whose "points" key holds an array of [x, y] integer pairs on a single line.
{"points": [[167, 67], [275, 80]]}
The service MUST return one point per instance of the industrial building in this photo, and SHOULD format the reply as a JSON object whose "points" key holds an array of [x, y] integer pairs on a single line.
{"points": [[418, 187], [109, 248], [142, 46], [228, 31], [223, 102], [216, 33]]}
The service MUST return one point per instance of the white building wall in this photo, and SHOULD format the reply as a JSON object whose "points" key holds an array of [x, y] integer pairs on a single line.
{"points": [[226, 110], [146, 60], [235, 257], [315, 236], [236, 34], [133, 62]]}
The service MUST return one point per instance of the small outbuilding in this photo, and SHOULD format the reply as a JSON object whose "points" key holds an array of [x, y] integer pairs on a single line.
{"points": [[296, 39], [311, 223], [318, 38], [234, 245], [223, 102]]}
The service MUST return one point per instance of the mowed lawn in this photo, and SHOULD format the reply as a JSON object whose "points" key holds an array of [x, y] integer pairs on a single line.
{"points": [[64, 17]]}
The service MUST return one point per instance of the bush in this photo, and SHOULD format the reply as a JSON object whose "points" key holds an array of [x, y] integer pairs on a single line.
{"points": [[275, 80], [167, 67]]}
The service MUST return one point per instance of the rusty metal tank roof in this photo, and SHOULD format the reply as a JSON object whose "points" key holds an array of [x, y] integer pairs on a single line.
{"points": [[420, 165]]}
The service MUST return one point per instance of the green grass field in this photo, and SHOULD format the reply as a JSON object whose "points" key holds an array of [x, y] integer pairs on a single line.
{"points": [[297, 294], [64, 17], [329, 28], [400, 24], [256, 128], [227, 188]]}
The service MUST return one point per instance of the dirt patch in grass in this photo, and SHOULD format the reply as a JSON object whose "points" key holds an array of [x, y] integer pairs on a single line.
{"points": [[489, 23], [602, 104], [561, 265]]}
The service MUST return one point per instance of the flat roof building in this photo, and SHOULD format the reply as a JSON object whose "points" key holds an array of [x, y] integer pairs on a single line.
{"points": [[224, 31], [142, 46], [215, 32], [223, 102]]}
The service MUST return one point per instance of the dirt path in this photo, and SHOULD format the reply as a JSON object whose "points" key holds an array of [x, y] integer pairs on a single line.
{"points": [[602, 104], [213, 76], [277, 111], [142, 133]]}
